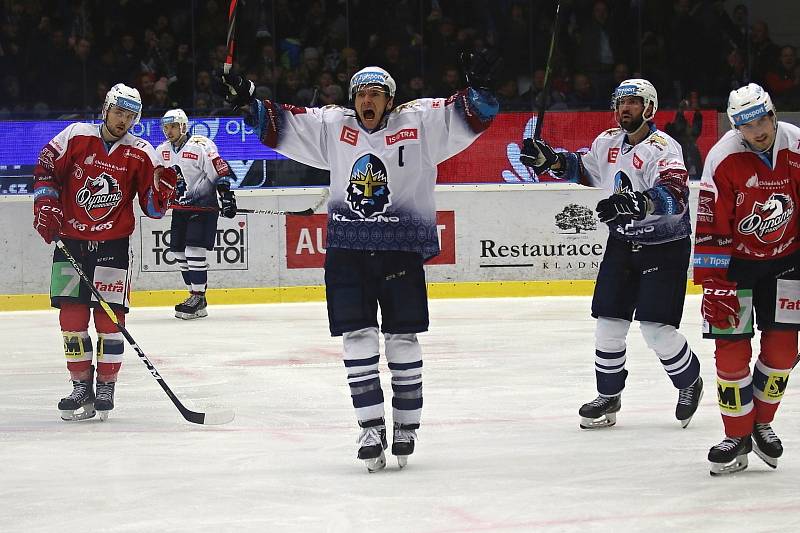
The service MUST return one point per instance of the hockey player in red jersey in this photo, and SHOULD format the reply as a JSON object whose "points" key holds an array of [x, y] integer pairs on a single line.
{"points": [[747, 257], [84, 185]]}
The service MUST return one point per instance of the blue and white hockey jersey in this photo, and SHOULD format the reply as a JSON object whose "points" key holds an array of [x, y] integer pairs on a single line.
{"points": [[654, 166], [382, 182], [201, 171]]}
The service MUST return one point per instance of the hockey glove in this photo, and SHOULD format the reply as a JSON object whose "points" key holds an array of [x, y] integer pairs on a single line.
{"points": [[482, 68], [48, 218], [180, 186], [720, 304], [629, 204], [239, 90], [227, 202], [165, 181], [538, 155]]}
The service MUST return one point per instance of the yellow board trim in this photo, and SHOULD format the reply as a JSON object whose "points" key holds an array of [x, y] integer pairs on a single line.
{"points": [[316, 293]]}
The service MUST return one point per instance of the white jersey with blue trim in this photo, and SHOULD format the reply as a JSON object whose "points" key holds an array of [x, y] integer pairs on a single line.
{"points": [[201, 170], [654, 166], [382, 182]]}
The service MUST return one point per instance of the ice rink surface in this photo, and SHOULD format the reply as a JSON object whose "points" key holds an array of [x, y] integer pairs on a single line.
{"points": [[499, 448]]}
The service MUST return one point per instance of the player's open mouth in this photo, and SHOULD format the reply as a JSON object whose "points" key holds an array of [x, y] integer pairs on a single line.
{"points": [[369, 114]]}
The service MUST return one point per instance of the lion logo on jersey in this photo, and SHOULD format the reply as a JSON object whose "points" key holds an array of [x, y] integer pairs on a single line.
{"points": [[368, 193], [768, 220], [99, 196]]}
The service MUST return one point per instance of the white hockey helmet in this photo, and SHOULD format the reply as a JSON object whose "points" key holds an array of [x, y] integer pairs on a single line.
{"points": [[370, 76], [175, 116], [748, 103], [637, 87], [124, 97]]}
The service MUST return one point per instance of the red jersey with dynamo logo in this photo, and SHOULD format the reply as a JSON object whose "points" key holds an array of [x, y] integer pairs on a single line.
{"points": [[96, 185], [748, 206]]}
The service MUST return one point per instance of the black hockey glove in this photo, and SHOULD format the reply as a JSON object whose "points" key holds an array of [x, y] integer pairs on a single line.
{"points": [[538, 155], [227, 202], [482, 68], [632, 205], [237, 90]]}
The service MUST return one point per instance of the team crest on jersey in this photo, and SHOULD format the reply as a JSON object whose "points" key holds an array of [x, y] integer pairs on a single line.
{"points": [[622, 183], [657, 140], [768, 221], [368, 193], [99, 196]]}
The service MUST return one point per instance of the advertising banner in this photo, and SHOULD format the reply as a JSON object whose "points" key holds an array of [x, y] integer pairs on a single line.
{"points": [[494, 156], [229, 252]]}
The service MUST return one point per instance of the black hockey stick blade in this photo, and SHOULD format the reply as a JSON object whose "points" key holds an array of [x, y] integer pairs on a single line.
{"points": [[222, 417]]}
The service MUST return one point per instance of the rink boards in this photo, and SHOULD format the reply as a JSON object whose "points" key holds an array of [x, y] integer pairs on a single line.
{"points": [[496, 240]]}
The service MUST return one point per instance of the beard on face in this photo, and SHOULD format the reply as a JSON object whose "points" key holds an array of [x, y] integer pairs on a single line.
{"points": [[633, 124]]}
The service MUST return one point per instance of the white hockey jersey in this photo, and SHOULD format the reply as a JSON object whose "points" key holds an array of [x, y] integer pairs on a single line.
{"points": [[654, 166], [201, 170], [382, 183]]}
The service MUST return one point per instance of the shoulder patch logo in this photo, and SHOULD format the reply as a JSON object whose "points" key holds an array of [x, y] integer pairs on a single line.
{"points": [[368, 193]]}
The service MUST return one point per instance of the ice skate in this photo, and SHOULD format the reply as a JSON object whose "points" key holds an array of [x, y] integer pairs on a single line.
{"points": [[105, 398], [767, 445], [81, 398], [730, 455], [193, 307], [372, 442], [403, 442], [688, 401], [600, 412]]}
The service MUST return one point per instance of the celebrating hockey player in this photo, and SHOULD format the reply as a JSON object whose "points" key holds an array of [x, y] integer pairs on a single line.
{"points": [[202, 175], [643, 273], [84, 185], [747, 257], [381, 223]]}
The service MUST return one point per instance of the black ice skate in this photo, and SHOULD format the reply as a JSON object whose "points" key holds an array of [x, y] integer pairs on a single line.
{"points": [[82, 397], [730, 455], [767, 445], [403, 442], [193, 307], [372, 442], [600, 412], [688, 401], [105, 398]]}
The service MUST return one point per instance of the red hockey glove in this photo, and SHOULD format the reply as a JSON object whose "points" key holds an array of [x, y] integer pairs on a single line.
{"points": [[48, 218], [720, 303], [164, 182]]}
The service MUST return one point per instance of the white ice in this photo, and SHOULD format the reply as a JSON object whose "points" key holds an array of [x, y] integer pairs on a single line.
{"points": [[499, 449]]}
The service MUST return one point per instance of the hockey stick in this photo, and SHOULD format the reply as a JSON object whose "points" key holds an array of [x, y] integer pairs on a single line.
{"points": [[231, 41], [547, 71], [213, 418], [304, 213]]}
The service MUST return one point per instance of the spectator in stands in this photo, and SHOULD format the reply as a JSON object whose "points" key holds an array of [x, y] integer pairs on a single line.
{"points": [[583, 96], [597, 50], [763, 52], [783, 80], [687, 133]]}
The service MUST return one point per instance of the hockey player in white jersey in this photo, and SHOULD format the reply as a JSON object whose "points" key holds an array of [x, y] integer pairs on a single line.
{"points": [[202, 175], [381, 223], [644, 269]]}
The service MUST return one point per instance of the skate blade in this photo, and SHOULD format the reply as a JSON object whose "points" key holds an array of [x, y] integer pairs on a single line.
{"points": [[103, 415], [73, 416], [604, 421], [402, 461], [723, 469], [191, 316], [376, 464], [772, 462]]}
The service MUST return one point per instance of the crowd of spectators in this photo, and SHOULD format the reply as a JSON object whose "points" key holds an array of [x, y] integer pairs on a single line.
{"points": [[59, 57]]}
